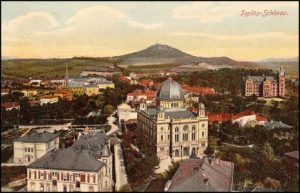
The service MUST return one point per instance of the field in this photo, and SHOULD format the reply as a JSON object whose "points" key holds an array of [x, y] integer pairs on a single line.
{"points": [[151, 68], [45, 68]]}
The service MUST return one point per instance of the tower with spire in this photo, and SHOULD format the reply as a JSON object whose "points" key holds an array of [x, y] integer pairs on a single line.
{"points": [[66, 77], [281, 82]]}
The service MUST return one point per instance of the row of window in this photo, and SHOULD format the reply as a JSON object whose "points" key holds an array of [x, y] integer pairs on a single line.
{"points": [[63, 176], [28, 149]]}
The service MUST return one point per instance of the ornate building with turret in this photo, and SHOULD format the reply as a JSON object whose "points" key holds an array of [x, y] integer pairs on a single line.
{"points": [[266, 86], [170, 128]]}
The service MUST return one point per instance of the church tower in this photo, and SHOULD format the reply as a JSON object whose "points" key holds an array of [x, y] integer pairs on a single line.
{"points": [[201, 110], [281, 82]]}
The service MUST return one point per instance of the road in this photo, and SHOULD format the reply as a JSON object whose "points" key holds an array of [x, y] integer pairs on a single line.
{"points": [[111, 119]]}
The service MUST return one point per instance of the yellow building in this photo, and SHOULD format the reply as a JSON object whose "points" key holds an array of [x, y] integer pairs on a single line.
{"points": [[106, 85], [91, 90]]}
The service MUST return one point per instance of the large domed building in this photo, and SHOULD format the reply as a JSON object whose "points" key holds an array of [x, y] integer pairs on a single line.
{"points": [[170, 128]]}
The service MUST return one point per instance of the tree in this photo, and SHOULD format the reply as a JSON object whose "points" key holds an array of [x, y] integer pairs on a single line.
{"points": [[271, 183], [109, 109], [125, 188]]}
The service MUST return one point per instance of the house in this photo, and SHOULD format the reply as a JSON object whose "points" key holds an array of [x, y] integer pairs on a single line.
{"points": [[125, 112], [48, 99], [198, 90], [248, 118], [5, 91], [204, 174], [8, 106], [29, 92], [29, 148], [138, 95], [86, 166]]}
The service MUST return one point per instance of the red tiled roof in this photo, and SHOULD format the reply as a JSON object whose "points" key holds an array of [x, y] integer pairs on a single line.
{"points": [[198, 90], [221, 117], [9, 105], [148, 94]]}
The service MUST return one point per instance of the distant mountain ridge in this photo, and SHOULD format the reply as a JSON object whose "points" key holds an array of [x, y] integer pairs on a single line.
{"points": [[164, 54]]}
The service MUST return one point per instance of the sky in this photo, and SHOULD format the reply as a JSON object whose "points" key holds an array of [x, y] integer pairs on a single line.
{"points": [[98, 29]]}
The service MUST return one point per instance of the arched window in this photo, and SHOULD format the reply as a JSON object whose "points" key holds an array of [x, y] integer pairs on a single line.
{"points": [[176, 129], [161, 137], [202, 133], [185, 128], [193, 128], [176, 153], [162, 128]]}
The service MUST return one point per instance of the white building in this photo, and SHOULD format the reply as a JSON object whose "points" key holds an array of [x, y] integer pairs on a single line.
{"points": [[170, 128], [125, 112], [48, 99], [86, 167], [31, 147]]}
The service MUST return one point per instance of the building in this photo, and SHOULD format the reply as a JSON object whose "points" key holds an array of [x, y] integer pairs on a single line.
{"points": [[86, 167], [198, 90], [276, 124], [105, 72], [8, 106], [125, 113], [88, 86], [266, 86], [29, 92], [218, 118], [169, 128], [202, 175], [138, 95], [29, 148], [248, 118], [48, 99]]}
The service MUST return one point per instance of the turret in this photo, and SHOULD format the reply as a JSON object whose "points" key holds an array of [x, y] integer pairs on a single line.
{"points": [[201, 110]]}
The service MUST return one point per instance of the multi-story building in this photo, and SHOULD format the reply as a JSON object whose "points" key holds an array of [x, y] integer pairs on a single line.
{"points": [[86, 167], [88, 86], [29, 148], [266, 86], [170, 128]]}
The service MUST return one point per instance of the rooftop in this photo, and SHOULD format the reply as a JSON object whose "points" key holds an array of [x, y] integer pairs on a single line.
{"points": [[37, 137], [171, 113], [77, 159], [203, 175]]}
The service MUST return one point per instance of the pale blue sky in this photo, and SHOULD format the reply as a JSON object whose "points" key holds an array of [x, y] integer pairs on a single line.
{"points": [[112, 28]]}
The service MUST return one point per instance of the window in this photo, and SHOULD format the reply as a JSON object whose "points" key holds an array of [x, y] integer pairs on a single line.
{"points": [[42, 187], [185, 137], [203, 125], [161, 137], [168, 136], [176, 137], [193, 128], [82, 178], [162, 129], [91, 189], [94, 177], [88, 177], [25, 149], [202, 133], [65, 188], [71, 187], [176, 129], [202, 144], [185, 128], [77, 184], [32, 149], [54, 183], [161, 149], [29, 172], [193, 136]]}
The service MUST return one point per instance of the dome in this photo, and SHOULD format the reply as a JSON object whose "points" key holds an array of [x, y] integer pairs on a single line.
{"points": [[170, 90]]}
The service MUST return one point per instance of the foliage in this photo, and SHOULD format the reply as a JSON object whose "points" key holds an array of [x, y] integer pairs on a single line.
{"points": [[125, 188], [271, 183]]}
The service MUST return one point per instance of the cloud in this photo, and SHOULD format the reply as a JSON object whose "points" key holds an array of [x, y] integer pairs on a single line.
{"points": [[145, 26], [29, 24], [96, 14], [218, 11]]}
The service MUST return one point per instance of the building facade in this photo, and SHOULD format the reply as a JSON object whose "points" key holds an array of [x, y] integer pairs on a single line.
{"points": [[170, 128], [266, 86], [84, 167], [29, 148]]}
